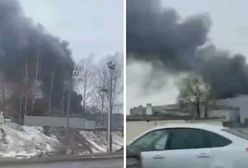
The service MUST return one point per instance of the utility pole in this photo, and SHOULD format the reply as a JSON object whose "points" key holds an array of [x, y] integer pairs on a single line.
{"points": [[69, 89], [111, 67], [73, 72], [104, 91]]}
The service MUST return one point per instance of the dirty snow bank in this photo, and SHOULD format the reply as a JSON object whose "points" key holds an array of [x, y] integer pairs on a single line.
{"points": [[83, 142], [24, 141], [98, 142]]}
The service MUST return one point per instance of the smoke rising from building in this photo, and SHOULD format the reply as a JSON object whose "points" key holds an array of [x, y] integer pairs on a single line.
{"points": [[174, 45]]}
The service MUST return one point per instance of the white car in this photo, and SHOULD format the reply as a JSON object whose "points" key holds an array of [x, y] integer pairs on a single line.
{"points": [[191, 146]]}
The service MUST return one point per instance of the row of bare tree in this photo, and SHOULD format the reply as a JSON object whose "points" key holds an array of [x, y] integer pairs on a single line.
{"points": [[91, 88], [93, 82]]}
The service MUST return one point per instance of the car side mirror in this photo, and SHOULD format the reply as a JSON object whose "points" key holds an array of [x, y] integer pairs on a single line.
{"points": [[131, 152]]}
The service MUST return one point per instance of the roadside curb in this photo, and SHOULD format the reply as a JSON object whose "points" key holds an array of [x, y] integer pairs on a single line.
{"points": [[51, 159]]}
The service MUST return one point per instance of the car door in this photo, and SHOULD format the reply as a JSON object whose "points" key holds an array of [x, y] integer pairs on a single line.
{"points": [[155, 158], [185, 148], [221, 155], [152, 146]]}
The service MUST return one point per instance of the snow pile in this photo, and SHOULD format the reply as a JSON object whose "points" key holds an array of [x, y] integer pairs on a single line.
{"points": [[117, 140], [24, 141], [83, 142], [98, 142]]}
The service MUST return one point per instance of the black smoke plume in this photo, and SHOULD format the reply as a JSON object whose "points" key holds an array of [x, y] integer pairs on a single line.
{"points": [[21, 42], [158, 35]]}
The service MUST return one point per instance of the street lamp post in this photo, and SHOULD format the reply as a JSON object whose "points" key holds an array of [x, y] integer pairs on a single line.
{"points": [[111, 67], [73, 72]]}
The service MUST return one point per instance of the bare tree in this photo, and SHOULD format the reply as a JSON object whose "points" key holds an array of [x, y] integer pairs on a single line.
{"points": [[84, 79], [100, 87], [36, 82], [102, 79], [194, 91], [51, 88], [117, 83], [5, 91], [207, 100]]}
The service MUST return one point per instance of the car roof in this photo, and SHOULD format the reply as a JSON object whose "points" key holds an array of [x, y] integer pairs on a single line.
{"points": [[190, 125]]}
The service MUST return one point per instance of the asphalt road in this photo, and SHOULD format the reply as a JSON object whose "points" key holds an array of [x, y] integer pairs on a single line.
{"points": [[98, 163]]}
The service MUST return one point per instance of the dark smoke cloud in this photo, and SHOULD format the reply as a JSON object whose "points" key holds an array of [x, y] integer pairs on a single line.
{"points": [[21, 41], [227, 74], [156, 34]]}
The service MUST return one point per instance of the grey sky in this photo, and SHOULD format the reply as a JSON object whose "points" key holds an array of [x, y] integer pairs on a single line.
{"points": [[91, 26], [229, 31], [229, 28]]}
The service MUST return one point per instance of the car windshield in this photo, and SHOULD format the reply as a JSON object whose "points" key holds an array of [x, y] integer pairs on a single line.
{"points": [[239, 132]]}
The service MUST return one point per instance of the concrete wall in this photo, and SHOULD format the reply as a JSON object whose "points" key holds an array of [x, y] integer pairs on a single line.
{"points": [[58, 122], [226, 114], [240, 102]]}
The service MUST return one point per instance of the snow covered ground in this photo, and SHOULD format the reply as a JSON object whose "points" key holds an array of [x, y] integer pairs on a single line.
{"points": [[22, 141], [98, 141], [25, 141]]}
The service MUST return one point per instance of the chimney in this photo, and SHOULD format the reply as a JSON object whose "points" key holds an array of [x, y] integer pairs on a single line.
{"points": [[149, 109]]}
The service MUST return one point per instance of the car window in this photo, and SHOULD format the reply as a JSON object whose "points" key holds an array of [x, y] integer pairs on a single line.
{"points": [[160, 144], [185, 139], [152, 141], [215, 140]]}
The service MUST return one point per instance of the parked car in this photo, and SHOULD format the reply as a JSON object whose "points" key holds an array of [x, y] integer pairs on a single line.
{"points": [[190, 145]]}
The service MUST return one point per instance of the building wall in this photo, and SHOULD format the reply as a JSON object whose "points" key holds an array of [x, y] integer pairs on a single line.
{"points": [[149, 110], [240, 102], [226, 114], [58, 122], [137, 110]]}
